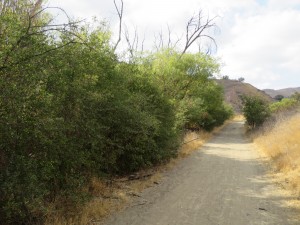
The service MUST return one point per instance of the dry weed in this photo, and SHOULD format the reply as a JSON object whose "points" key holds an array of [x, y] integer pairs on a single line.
{"points": [[107, 197], [281, 145], [239, 117], [192, 141]]}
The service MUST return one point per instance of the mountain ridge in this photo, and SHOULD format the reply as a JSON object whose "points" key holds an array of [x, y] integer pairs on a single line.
{"points": [[285, 92]]}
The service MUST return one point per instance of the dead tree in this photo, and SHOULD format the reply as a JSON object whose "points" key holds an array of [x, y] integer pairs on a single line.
{"points": [[160, 40], [197, 28], [120, 11], [132, 44]]}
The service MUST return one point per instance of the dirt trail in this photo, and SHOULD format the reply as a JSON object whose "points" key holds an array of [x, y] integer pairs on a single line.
{"points": [[224, 183]]}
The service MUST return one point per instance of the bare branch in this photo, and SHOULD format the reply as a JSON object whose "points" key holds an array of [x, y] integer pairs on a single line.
{"points": [[120, 14], [143, 41], [133, 45], [196, 28], [31, 29], [169, 37], [159, 41]]}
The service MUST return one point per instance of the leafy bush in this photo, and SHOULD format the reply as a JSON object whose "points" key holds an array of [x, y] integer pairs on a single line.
{"points": [[296, 96], [210, 110], [284, 104], [186, 81], [256, 110]]}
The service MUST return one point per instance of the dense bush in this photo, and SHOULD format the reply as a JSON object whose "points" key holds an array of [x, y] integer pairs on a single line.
{"points": [[256, 110], [209, 110], [187, 81], [284, 104], [71, 110]]}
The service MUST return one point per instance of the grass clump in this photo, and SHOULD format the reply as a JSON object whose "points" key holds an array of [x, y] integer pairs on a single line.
{"points": [[280, 143]]}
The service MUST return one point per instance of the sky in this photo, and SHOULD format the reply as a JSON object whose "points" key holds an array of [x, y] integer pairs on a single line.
{"points": [[258, 40]]}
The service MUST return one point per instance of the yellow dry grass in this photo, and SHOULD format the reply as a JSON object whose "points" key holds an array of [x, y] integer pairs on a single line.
{"points": [[238, 117], [107, 197], [193, 141], [281, 145]]}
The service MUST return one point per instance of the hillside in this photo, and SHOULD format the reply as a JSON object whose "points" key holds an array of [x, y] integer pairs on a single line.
{"points": [[233, 89], [286, 92]]}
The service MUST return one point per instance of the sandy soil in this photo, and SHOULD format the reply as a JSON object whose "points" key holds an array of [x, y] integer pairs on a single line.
{"points": [[224, 183]]}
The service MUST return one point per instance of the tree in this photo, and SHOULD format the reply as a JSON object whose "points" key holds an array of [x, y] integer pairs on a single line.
{"points": [[255, 110], [241, 79], [279, 97], [197, 28], [296, 96]]}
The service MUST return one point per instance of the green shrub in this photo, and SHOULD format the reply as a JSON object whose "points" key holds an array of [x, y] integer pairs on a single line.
{"points": [[256, 110], [208, 109], [284, 104]]}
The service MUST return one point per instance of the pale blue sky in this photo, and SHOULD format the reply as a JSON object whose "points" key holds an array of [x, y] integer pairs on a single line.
{"points": [[263, 2], [257, 39]]}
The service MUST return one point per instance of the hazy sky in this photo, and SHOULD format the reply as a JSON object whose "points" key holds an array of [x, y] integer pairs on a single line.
{"points": [[257, 39]]}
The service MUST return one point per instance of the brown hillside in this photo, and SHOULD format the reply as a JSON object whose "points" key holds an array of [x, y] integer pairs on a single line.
{"points": [[233, 89], [286, 92]]}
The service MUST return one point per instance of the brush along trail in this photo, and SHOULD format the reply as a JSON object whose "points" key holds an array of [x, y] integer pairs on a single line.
{"points": [[224, 183]]}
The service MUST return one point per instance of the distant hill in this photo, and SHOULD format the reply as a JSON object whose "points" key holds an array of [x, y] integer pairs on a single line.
{"points": [[286, 92], [233, 89]]}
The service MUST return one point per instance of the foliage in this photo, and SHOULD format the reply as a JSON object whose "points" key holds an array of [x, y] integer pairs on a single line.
{"points": [[186, 81], [71, 110], [284, 104], [210, 110], [279, 97], [256, 110], [296, 96]]}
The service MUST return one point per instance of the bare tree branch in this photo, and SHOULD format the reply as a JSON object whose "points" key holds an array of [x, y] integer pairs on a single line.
{"points": [[159, 41], [120, 14], [132, 45], [169, 37], [31, 29], [196, 28], [142, 45]]}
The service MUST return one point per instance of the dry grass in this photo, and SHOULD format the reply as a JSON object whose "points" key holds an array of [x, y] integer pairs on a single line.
{"points": [[193, 140], [239, 117], [107, 197], [281, 146], [112, 196]]}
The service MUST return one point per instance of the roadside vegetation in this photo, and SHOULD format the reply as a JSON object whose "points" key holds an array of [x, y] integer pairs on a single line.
{"points": [[74, 115], [280, 143], [277, 136], [258, 112]]}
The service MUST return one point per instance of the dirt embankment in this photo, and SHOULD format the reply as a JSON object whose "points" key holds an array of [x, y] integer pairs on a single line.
{"points": [[224, 183]]}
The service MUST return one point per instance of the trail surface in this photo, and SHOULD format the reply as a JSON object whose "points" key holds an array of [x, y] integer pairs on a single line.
{"points": [[224, 183]]}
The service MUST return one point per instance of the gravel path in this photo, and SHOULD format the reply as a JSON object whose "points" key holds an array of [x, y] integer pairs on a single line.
{"points": [[224, 183]]}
